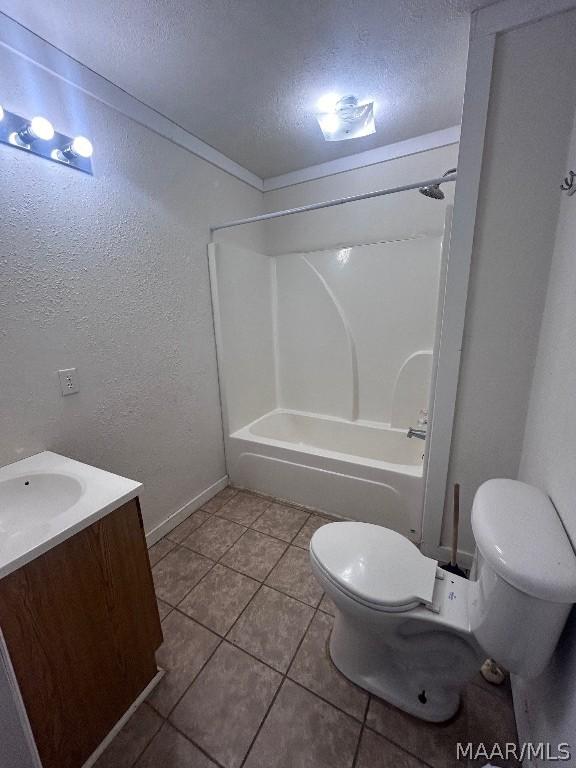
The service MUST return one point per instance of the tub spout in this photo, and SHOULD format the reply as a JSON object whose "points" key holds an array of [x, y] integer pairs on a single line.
{"points": [[419, 433]]}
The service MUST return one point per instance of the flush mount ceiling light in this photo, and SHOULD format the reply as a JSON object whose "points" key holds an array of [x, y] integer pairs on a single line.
{"points": [[346, 119]]}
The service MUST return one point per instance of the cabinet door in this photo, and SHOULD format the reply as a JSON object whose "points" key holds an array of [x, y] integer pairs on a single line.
{"points": [[81, 625]]}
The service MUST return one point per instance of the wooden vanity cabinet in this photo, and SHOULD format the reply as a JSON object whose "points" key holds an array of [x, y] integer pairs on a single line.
{"points": [[81, 626]]}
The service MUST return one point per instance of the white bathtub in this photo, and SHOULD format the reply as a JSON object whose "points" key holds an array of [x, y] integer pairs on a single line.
{"points": [[358, 470]]}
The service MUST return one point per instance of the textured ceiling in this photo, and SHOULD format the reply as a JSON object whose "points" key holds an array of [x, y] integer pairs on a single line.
{"points": [[245, 75]]}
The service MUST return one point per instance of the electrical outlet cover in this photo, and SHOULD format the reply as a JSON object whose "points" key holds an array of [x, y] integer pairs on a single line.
{"points": [[68, 381]]}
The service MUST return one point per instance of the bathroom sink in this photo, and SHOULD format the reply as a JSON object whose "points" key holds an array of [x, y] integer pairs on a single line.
{"points": [[47, 498], [31, 499]]}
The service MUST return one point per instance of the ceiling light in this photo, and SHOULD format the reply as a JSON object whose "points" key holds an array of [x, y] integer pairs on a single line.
{"points": [[1, 112], [327, 103], [347, 120]]}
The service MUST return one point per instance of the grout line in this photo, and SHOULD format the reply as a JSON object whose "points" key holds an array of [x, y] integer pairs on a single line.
{"points": [[224, 638], [220, 641], [284, 678], [357, 750], [198, 747], [148, 742]]}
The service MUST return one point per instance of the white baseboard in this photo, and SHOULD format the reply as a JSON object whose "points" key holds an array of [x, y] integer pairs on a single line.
{"points": [[185, 511], [124, 719]]}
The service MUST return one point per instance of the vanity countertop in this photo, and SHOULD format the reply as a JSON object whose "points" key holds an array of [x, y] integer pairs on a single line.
{"points": [[47, 498]]}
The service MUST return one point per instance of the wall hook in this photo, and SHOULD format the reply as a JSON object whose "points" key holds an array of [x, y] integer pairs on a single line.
{"points": [[569, 183]]}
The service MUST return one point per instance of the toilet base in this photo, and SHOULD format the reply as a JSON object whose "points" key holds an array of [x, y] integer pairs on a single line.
{"points": [[423, 674]]}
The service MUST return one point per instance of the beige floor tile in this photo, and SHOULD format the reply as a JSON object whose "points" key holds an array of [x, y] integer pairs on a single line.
{"points": [[219, 598], [377, 752], [272, 627], [185, 649], [159, 550], [163, 609], [218, 501], [302, 731], [244, 508], [223, 709], [185, 528], [433, 742], [293, 576], [214, 537], [327, 605], [490, 721], [177, 572], [169, 749], [254, 554], [308, 529], [132, 740], [281, 521], [313, 669]]}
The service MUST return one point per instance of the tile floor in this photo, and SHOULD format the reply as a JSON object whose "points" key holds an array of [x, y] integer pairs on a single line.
{"points": [[249, 682]]}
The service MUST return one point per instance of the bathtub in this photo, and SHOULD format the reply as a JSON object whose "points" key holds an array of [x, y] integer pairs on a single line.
{"points": [[352, 469]]}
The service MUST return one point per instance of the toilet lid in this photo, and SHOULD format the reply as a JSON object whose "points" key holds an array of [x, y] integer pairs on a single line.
{"points": [[377, 565]]}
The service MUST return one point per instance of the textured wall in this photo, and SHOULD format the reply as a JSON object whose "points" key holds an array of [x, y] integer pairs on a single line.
{"points": [[529, 122], [109, 274], [549, 461]]}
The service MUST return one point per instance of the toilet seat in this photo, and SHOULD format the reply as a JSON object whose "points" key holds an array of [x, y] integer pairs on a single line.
{"points": [[374, 565]]}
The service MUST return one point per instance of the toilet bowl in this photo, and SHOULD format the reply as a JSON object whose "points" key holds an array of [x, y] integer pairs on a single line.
{"points": [[414, 634]]}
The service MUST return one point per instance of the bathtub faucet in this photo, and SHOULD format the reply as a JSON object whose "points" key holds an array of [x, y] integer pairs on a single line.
{"points": [[419, 433]]}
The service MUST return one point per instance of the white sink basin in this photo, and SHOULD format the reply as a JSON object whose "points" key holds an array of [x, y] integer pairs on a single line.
{"points": [[33, 498], [47, 498]]}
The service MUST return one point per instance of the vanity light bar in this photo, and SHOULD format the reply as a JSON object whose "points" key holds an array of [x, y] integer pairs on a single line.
{"points": [[39, 137]]}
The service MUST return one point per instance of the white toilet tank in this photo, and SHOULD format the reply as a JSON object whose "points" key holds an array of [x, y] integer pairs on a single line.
{"points": [[525, 581]]}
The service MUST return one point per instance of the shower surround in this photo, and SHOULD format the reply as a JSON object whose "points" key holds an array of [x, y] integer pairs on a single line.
{"points": [[325, 360]]}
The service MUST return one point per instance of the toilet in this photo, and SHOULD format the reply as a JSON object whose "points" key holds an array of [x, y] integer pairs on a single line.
{"points": [[414, 634]]}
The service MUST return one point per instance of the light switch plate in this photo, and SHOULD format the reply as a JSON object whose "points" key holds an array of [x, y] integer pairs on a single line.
{"points": [[68, 381]]}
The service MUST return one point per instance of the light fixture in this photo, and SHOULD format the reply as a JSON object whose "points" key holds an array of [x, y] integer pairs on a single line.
{"points": [[38, 137], [347, 119], [38, 129], [79, 147], [327, 102]]}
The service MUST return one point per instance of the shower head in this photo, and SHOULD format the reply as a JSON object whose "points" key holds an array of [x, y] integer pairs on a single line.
{"points": [[433, 191]]}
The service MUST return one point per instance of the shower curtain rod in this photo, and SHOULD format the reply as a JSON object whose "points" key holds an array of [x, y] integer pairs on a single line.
{"points": [[331, 203]]}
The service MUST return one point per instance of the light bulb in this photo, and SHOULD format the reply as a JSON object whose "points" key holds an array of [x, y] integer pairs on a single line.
{"points": [[82, 147], [327, 103], [329, 123], [78, 147], [41, 128]]}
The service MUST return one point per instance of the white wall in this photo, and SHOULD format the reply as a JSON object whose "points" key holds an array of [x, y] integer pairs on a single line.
{"points": [[368, 221], [350, 320], [109, 274], [242, 289], [549, 461], [530, 113]]}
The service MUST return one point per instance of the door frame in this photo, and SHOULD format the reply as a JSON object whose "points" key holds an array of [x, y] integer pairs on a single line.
{"points": [[485, 25]]}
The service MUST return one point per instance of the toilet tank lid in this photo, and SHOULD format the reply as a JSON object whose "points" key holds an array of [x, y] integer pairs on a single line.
{"points": [[521, 536]]}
